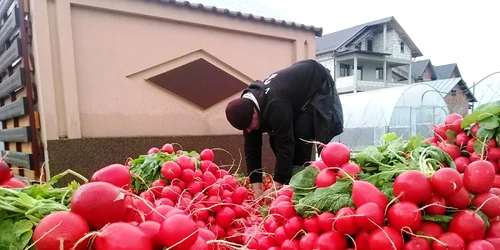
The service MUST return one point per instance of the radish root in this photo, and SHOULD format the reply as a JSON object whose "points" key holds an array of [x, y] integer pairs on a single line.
{"points": [[386, 235], [422, 236], [484, 203]]}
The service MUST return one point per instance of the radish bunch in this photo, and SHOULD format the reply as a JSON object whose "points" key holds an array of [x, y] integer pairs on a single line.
{"points": [[480, 141]]}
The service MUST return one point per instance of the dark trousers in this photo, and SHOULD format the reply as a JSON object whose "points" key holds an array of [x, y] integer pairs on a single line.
{"points": [[303, 129]]}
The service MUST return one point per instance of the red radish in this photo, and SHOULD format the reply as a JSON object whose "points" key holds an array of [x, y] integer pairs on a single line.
{"points": [[325, 221], [159, 215], [286, 191], [456, 126], [335, 154], [461, 162], [361, 240], [218, 231], [99, 203], [319, 164], [492, 143], [495, 191], [60, 230], [266, 242], [172, 193], [417, 243], [488, 203], [153, 151], [496, 182], [495, 165], [286, 209], [206, 234], [474, 129], [494, 231], [460, 200], [435, 205], [170, 170], [177, 182], [479, 177], [309, 241], [369, 215], [116, 174], [208, 179], [468, 225], [4, 171], [178, 232], [494, 154], [449, 241], [13, 183], [187, 175], [207, 154], [167, 148], [157, 187], [345, 221], [404, 215], [475, 157], [280, 235], [440, 132], [413, 186], [332, 241], [351, 168], [431, 229], [239, 194], [325, 178], [225, 217], [450, 119], [201, 244], [186, 162], [364, 192], [290, 244], [195, 187], [164, 201], [495, 242], [151, 229], [480, 245], [446, 182], [452, 150], [461, 139], [470, 145], [385, 238], [120, 235], [293, 226], [311, 225]]}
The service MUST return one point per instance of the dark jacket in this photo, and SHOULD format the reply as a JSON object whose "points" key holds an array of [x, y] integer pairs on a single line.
{"points": [[281, 97]]}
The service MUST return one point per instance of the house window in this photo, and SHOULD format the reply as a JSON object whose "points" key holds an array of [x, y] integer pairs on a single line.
{"points": [[379, 73], [344, 70], [369, 45], [402, 47]]}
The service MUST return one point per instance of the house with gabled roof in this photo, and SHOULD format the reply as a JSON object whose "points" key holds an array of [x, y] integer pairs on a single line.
{"points": [[422, 71], [447, 71], [371, 50]]}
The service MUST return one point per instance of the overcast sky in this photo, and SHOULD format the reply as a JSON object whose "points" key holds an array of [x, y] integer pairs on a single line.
{"points": [[462, 32]]}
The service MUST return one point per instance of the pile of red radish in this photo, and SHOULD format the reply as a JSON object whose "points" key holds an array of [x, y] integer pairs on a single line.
{"points": [[201, 208]]}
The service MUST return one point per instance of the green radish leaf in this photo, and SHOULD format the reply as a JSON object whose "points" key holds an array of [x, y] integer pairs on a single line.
{"points": [[437, 218], [304, 182], [451, 135], [490, 122], [328, 199], [483, 111], [415, 142], [484, 134], [479, 147], [389, 137]]}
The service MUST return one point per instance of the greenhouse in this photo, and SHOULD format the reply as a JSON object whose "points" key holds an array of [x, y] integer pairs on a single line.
{"points": [[406, 110]]}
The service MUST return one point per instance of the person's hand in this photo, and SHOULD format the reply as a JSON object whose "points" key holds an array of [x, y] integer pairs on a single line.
{"points": [[272, 192], [258, 190]]}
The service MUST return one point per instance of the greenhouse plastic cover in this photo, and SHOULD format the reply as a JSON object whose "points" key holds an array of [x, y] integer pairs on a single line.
{"points": [[386, 107]]}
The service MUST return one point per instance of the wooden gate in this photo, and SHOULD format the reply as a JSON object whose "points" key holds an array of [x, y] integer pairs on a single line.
{"points": [[19, 133]]}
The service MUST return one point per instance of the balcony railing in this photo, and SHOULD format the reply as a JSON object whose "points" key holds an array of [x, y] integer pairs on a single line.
{"points": [[346, 84]]}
